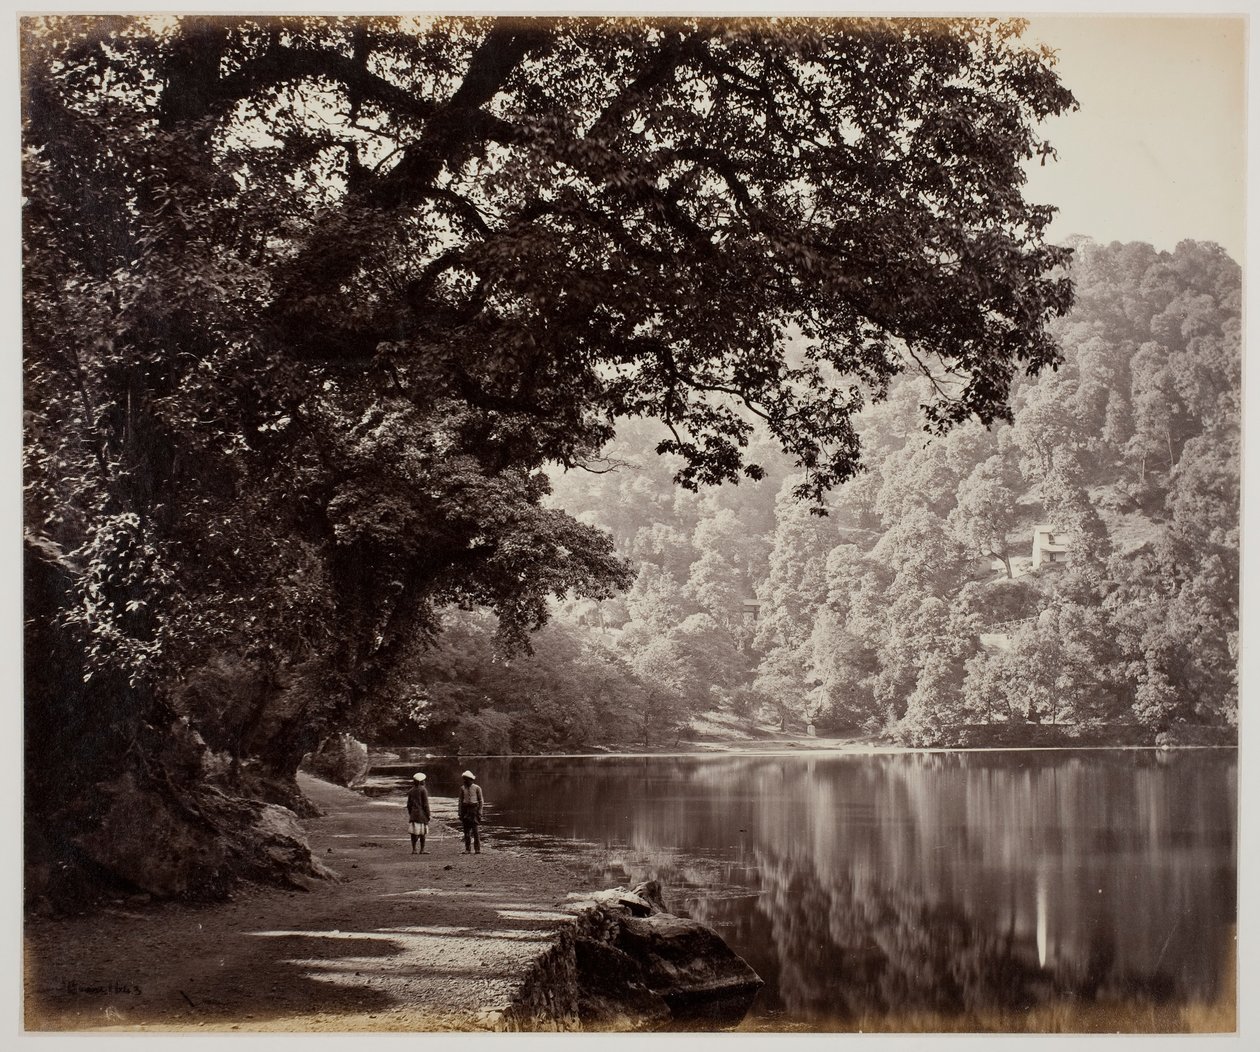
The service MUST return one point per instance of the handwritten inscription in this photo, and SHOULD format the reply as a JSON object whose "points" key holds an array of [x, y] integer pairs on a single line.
{"points": [[75, 988]]}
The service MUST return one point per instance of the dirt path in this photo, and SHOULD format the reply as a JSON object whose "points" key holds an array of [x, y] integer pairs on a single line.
{"points": [[403, 942]]}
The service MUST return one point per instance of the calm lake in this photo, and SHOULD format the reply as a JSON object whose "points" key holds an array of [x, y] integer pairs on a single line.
{"points": [[981, 890]]}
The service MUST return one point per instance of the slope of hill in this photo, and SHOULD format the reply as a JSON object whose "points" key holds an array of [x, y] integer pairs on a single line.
{"points": [[870, 620]]}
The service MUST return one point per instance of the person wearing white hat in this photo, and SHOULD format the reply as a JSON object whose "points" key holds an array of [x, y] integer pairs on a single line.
{"points": [[418, 812], [470, 803]]}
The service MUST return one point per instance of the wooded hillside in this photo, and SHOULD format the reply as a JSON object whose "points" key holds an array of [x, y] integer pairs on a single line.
{"points": [[913, 609]]}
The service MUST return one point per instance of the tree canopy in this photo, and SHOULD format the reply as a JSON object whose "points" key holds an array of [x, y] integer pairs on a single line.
{"points": [[311, 302], [557, 223]]}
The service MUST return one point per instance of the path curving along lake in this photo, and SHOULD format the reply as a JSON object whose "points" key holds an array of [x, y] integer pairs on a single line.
{"points": [[1048, 890]]}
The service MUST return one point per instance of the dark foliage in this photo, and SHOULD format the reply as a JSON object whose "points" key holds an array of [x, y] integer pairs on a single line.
{"points": [[310, 302]]}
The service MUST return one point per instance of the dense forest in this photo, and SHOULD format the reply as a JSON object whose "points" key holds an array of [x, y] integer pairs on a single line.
{"points": [[912, 609]]}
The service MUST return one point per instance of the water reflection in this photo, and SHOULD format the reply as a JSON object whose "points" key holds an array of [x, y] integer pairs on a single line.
{"points": [[873, 887]]}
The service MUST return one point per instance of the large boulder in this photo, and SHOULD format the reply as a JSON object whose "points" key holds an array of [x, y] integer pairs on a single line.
{"points": [[641, 901], [627, 964], [613, 993], [152, 840], [687, 963], [663, 958], [195, 843], [266, 842], [340, 759]]}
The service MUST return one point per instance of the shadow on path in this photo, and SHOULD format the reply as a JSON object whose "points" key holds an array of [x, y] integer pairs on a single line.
{"points": [[400, 941]]}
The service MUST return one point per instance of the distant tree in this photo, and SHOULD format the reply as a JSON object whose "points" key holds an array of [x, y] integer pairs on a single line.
{"points": [[712, 652], [719, 589], [847, 636], [1204, 493], [919, 475], [986, 512], [721, 579], [1043, 432], [463, 691], [845, 664], [1096, 378], [1070, 508], [923, 555], [1175, 600], [1153, 409], [656, 602], [888, 424], [1206, 375], [795, 585], [937, 702], [1078, 643], [1117, 426], [665, 546], [1156, 700], [994, 602], [934, 641], [723, 531], [672, 691], [784, 679], [1204, 614], [992, 689]]}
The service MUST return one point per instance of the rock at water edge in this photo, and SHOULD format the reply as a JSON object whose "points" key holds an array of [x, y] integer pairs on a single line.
{"points": [[685, 961], [612, 990]]}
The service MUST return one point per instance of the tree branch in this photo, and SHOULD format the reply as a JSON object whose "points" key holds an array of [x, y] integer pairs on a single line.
{"points": [[655, 71], [452, 127]]}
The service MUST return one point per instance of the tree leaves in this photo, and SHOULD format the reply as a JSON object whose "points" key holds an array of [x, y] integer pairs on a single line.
{"points": [[858, 179], [310, 302]]}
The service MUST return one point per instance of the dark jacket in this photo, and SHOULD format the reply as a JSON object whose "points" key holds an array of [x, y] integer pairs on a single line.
{"points": [[418, 804]]}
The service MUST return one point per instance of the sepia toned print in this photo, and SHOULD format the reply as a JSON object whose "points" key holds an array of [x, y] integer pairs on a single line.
{"points": [[620, 524]]}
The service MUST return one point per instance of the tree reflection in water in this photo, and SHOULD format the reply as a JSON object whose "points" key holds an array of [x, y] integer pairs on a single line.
{"points": [[967, 887]]}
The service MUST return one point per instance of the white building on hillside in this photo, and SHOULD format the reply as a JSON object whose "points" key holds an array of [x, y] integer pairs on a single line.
{"points": [[1049, 545]]}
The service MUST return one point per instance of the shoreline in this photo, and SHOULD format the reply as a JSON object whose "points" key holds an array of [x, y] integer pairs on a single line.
{"points": [[387, 757], [433, 942]]}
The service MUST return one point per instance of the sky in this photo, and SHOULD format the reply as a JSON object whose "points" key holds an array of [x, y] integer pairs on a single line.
{"points": [[1157, 150]]}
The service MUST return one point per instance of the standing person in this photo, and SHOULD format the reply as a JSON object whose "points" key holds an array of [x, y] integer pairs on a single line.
{"points": [[470, 801], [418, 812]]}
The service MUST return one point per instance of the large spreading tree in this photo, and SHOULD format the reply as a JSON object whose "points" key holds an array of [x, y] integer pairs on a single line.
{"points": [[311, 302]]}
